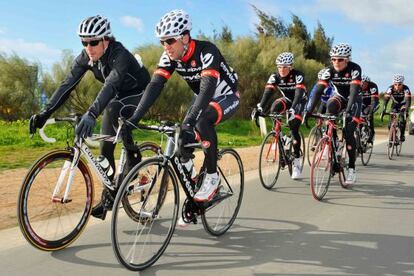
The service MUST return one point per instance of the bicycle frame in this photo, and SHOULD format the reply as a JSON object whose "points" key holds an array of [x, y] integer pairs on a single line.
{"points": [[80, 149]]}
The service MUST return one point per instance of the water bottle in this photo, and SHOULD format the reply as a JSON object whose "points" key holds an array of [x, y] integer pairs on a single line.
{"points": [[104, 163], [189, 166]]}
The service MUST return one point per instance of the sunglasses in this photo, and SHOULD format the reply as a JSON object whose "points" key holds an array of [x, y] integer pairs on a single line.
{"points": [[93, 43], [283, 66], [398, 84], [337, 59], [169, 41]]}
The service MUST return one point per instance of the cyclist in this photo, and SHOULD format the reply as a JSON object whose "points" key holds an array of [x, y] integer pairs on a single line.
{"points": [[326, 94], [401, 96], [370, 102], [213, 82], [124, 78], [345, 75], [292, 87]]}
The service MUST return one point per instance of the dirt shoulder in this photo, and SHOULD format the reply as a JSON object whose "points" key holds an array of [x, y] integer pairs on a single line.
{"points": [[11, 181]]}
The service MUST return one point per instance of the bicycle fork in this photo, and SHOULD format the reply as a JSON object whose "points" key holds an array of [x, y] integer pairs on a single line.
{"points": [[67, 166]]}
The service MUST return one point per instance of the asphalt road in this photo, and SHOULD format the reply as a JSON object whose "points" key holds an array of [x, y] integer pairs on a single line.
{"points": [[367, 230]]}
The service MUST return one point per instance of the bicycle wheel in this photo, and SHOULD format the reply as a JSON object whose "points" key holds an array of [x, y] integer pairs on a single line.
{"points": [[148, 150], [302, 150], [398, 143], [269, 160], [48, 223], [223, 209], [321, 169], [391, 143], [314, 136], [344, 166], [139, 242], [367, 148]]}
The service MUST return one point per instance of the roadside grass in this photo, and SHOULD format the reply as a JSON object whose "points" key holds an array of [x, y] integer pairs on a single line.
{"points": [[17, 150]]}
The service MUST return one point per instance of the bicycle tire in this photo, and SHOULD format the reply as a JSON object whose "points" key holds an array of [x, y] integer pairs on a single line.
{"points": [[367, 149], [46, 223], [391, 143], [220, 216], [148, 150], [322, 163], [269, 160], [314, 136], [156, 219]]}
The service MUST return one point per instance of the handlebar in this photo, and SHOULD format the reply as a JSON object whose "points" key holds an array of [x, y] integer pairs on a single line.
{"points": [[71, 119]]}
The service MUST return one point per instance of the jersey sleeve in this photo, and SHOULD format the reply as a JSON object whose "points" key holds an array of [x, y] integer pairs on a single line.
{"points": [[165, 67], [356, 75], [271, 82], [300, 81], [210, 61]]}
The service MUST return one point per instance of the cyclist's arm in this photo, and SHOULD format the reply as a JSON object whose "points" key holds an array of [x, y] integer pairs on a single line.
{"points": [[407, 101], [299, 91], [321, 85], [387, 97], [208, 83], [79, 67], [270, 89], [374, 98], [113, 82], [354, 88]]}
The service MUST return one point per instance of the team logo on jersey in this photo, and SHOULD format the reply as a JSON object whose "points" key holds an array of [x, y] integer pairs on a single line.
{"points": [[164, 61], [193, 63], [325, 75], [355, 74], [206, 59], [373, 90], [346, 75], [299, 78]]}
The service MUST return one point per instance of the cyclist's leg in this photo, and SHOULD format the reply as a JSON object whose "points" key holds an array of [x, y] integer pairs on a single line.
{"points": [[220, 109], [334, 106], [350, 126], [294, 128], [113, 111]]}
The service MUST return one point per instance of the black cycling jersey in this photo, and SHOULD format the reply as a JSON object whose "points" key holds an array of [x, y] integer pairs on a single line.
{"points": [[370, 97], [203, 68], [347, 84], [399, 96], [292, 86], [122, 74]]}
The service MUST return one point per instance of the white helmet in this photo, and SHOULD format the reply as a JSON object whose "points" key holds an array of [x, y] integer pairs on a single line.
{"points": [[95, 27], [398, 78], [365, 78], [341, 50], [173, 24], [285, 58]]}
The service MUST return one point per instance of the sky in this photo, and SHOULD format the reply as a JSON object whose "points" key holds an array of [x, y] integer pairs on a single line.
{"points": [[380, 32]]}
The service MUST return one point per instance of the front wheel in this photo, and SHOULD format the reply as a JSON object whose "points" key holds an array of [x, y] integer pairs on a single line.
{"points": [[367, 148], [48, 223], [223, 209], [391, 143], [321, 169], [269, 160], [314, 136], [151, 189]]}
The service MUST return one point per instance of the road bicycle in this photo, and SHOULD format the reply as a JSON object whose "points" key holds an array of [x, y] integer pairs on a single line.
{"points": [[362, 133], [56, 196], [330, 157], [140, 240], [394, 133], [276, 152]]}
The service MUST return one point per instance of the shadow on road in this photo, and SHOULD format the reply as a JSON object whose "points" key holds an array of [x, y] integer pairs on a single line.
{"points": [[257, 241]]}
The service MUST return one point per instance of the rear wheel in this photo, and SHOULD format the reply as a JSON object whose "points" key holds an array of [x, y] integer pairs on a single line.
{"points": [[223, 208], [269, 160], [321, 169], [49, 223]]}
